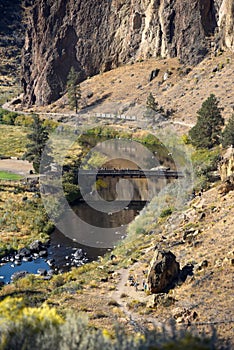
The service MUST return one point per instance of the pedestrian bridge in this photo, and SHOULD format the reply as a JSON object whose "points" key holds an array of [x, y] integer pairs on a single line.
{"points": [[131, 173]]}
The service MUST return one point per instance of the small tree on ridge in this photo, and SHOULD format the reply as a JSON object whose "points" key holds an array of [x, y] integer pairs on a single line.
{"points": [[73, 89], [207, 131]]}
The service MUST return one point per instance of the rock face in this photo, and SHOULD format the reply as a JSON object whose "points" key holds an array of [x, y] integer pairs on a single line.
{"points": [[226, 23], [164, 272], [226, 166], [94, 36], [11, 37]]}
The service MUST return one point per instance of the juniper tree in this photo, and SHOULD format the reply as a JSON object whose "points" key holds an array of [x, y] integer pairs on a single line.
{"points": [[207, 131], [38, 139], [73, 89], [152, 107], [152, 104]]}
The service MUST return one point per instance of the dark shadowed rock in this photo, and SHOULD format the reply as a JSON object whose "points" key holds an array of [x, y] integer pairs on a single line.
{"points": [[79, 254], [186, 271], [17, 275], [160, 299], [153, 74], [24, 252], [42, 272], [35, 246], [164, 272]]}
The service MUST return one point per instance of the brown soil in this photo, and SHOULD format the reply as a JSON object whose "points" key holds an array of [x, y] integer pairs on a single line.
{"points": [[16, 166], [125, 90]]}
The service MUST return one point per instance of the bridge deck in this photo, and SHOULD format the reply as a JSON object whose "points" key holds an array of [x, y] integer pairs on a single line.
{"points": [[132, 173]]}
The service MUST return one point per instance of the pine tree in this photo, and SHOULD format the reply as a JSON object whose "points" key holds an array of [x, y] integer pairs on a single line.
{"points": [[73, 89], [207, 131], [38, 139], [228, 133], [152, 104]]}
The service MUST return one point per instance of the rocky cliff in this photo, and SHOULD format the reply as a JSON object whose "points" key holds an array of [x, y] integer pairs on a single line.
{"points": [[11, 38], [226, 166], [94, 36]]}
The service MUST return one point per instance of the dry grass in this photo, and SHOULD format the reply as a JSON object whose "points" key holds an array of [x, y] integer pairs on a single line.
{"points": [[22, 216], [14, 144], [115, 91]]}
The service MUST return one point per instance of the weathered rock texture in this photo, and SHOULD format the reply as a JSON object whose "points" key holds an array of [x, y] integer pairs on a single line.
{"points": [[226, 23], [164, 272], [11, 37], [96, 36], [226, 166]]}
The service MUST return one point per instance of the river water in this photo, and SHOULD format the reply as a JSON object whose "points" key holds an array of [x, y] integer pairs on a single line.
{"points": [[62, 248]]}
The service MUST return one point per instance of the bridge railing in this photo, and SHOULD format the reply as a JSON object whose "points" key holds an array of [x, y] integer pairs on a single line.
{"points": [[138, 173]]}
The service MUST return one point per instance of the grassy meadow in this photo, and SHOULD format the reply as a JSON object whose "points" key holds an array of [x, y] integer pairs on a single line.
{"points": [[13, 140], [5, 175]]}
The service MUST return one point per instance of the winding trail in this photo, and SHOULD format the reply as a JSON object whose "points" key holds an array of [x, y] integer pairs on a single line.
{"points": [[72, 118], [124, 294]]}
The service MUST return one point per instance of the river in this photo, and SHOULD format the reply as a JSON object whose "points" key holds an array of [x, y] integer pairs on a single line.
{"points": [[61, 250], [76, 248]]}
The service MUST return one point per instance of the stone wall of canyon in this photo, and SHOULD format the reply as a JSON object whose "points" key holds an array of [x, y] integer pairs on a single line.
{"points": [[94, 36]]}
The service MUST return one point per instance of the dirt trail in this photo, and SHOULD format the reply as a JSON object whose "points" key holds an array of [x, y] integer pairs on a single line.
{"points": [[124, 294], [72, 118]]}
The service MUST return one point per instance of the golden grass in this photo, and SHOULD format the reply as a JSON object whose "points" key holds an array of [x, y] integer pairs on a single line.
{"points": [[12, 140]]}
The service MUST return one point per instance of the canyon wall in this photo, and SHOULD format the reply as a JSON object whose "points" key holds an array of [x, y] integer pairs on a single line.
{"points": [[226, 166], [94, 36]]}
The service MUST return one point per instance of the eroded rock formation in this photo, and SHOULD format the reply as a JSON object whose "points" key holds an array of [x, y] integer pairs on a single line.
{"points": [[94, 36], [164, 272], [226, 166]]}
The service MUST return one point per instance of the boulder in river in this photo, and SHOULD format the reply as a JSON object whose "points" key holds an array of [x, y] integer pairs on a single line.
{"points": [[42, 272], [24, 252], [79, 254], [36, 246]]}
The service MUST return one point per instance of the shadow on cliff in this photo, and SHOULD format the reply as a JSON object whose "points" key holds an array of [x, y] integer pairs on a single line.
{"points": [[97, 102]]}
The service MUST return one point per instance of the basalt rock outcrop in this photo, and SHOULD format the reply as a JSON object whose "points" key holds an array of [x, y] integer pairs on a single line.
{"points": [[94, 36], [11, 38], [226, 165], [163, 273]]}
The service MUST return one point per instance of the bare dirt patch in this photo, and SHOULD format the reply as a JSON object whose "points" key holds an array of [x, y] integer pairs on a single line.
{"points": [[16, 166]]}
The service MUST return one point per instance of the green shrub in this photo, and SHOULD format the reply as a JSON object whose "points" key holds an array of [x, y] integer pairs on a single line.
{"points": [[9, 118], [22, 325], [23, 120], [58, 281], [42, 329], [185, 139], [50, 124], [204, 163], [166, 212]]}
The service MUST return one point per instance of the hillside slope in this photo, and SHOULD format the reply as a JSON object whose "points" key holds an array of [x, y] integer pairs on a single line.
{"points": [[95, 37], [177, 87]]}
